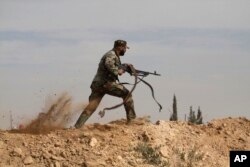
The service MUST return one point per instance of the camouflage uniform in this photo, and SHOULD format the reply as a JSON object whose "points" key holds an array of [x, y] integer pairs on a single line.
{"points": [[105, 82]]}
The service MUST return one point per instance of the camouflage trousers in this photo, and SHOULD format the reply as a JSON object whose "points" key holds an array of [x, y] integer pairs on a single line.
{"points": [[98, 92]]}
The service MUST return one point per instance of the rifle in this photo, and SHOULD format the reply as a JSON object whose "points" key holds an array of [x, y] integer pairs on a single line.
{"points": [[139, 74], [127, 68]]}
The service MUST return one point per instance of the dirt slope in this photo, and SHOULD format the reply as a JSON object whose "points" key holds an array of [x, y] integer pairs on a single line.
{"points": [[140, 144]]}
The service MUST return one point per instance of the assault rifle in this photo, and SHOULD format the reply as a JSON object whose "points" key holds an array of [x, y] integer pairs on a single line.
{"points": [[126, 67]]}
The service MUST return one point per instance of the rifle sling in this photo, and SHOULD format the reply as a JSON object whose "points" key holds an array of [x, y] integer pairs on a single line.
{"points": [[150, 86], [102, 112], [152, 91]]}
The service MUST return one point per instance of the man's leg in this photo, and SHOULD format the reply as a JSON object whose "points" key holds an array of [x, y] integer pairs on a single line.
{"points": [[129, 107], [119, 90], [94, 100]]}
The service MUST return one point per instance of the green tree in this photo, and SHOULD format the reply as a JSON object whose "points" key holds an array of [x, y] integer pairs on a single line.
{"points": [[193, 118], [174, 116]]}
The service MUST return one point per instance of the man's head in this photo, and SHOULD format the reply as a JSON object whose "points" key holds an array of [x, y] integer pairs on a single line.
{"points": [[120, 47]]}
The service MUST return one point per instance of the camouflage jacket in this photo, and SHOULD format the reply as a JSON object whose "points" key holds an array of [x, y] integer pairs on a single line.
{"points": [[108, 69]]}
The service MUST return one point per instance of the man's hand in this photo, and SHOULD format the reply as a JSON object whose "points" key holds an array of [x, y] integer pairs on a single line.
{"points": [[129, 65], [125, 68], [121, 71]]}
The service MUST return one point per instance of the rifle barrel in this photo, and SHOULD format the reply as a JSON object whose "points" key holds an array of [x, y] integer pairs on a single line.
{"points": [[146, 72]]}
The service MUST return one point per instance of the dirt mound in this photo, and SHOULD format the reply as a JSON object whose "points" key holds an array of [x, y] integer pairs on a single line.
{"points": [[138, 144]]}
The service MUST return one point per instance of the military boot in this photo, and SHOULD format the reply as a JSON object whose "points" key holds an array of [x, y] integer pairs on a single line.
{"points": [[81, 120]]}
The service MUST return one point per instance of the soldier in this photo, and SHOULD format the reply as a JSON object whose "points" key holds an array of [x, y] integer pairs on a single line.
{"points": [[106, 82]]}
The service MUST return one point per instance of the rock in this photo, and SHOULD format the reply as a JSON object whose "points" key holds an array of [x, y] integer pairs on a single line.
{"points": [[160, 122], [46, 155], [93, 142], [164, 151], [52, 151], [69, 141], [2, 144], [57, 164], [192, 132], [63, 154], [18, 151], [132, 163], [28, 160], [58, 144], [84, 164], [145, 136], [82, 141], [241, 139], [73, 151], [57, 158], [119, 157], [25, 144]]}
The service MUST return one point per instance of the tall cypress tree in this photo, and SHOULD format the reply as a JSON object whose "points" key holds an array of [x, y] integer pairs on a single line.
{"points": [[199, 117], [174, 116]]}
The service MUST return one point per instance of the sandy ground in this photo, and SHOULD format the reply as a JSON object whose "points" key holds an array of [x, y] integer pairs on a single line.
{"points": [[139, 144]]}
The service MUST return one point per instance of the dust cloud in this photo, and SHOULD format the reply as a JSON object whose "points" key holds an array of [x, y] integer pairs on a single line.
{"points": [[57, 115]]}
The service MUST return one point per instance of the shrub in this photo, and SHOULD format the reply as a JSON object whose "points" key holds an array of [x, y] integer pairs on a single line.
{"points": [[151, 155]]}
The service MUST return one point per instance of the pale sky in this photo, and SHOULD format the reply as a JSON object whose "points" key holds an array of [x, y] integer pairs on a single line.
{"points": [[200, 47]]}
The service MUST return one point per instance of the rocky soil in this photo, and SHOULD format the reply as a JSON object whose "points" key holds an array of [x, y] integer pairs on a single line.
{"points": [[140, 144]]}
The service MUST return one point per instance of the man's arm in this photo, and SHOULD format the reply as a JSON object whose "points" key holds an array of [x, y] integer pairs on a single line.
{"points": [[111, 65]]}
